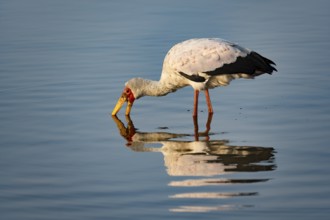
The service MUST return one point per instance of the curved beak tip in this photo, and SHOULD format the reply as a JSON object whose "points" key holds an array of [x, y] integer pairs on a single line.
{"points": [[118, 106]]}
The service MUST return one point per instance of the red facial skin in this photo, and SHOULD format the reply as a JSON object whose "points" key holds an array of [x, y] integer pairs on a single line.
{"points": [[129, 95]]}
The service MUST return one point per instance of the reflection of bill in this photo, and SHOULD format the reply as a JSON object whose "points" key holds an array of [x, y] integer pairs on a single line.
{"points": [[205, 158]]}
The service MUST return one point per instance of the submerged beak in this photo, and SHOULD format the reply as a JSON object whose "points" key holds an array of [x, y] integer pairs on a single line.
{"points": [[123, 98], [128, 107]]}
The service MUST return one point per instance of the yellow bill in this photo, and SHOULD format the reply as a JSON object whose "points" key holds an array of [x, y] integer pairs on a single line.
{"points": [[123, 98], [119, 104]]}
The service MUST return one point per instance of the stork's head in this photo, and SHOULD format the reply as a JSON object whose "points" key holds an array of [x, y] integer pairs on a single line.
{"points": [[133, 90], [126, 96]]}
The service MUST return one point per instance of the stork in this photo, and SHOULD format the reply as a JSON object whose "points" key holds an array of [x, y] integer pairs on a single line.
{"points": [[203, 63]]}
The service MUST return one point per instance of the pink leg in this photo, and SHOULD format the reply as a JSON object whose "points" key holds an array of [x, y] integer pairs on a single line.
{"points": [[208, 101], [195, 112]]}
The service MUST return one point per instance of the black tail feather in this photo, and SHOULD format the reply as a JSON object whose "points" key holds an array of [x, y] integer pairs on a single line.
{"points": [[262, 63]]}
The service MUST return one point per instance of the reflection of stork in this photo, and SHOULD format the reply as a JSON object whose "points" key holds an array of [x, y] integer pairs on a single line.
{"points": [[197, 158], [201, 158]]}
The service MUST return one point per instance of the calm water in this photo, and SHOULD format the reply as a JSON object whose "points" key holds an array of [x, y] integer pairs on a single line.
{"points": [[63, 65]]}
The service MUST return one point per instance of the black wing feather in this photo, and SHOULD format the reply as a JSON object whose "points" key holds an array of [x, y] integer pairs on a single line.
{"points": [[253, 64], [195, 78]]}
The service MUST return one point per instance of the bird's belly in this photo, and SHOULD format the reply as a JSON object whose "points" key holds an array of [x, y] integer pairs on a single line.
{"points": [[198, 85], [224, 80]]}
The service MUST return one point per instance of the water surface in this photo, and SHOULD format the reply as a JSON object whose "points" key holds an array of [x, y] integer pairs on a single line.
{"points": [[63, 65]]}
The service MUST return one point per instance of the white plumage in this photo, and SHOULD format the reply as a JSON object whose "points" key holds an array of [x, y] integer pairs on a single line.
{"points": [[197, 56], [202, 63]]}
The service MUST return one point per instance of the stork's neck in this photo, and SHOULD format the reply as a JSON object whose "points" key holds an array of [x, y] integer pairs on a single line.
{"points": [[144, 87], [156, 88]]}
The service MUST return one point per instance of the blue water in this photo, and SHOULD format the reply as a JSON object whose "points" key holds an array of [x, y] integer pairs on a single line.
{"points": [[63, 65]]}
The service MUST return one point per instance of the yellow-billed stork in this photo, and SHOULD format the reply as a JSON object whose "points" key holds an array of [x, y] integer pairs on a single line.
{"points": [[202, 63]]}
